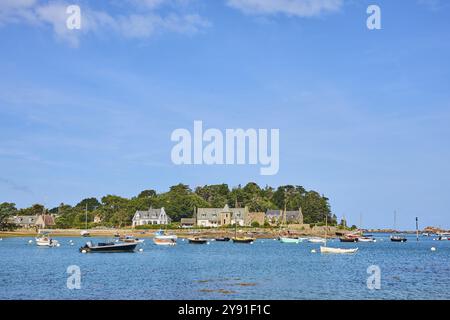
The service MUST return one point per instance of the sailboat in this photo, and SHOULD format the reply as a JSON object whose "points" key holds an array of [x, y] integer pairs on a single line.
{"points": [[287, 239], [237, 239], [397, 237], [364, 238], [85, 233], [325, 249]]}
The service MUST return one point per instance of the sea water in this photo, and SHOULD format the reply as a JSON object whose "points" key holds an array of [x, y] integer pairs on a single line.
{"points": [[266, 269]]}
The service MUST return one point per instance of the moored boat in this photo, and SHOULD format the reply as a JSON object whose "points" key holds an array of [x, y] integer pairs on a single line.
{"points": [[164, 241], [348, 239], [316, 240], [243, 239], [197, 240], [398, 238], [289, 240], [85, 233], [366, 239], [46, 241], [224, 239], [337, 250], [109, 247]]}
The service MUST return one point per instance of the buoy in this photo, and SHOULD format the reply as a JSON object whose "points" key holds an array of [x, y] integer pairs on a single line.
{"points": [[251, 242], [433, 249], [313, 251], [83, 251], [30, 241], [374, 240], [58, 245], [71, 244], [140, 250], [207, 242]]}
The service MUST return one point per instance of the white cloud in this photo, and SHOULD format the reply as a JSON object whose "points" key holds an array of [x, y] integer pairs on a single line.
{"points": [[300, 8], [132, 25]]}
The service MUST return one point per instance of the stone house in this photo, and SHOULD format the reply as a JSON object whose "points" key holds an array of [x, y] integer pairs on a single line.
{"points": [[151, 216], [216, 217]]}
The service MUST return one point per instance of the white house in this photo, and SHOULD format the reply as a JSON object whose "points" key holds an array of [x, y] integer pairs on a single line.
{"points": [[150, 216]]}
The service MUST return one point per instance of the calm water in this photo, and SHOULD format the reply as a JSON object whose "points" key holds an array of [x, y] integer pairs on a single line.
{"points": [[266, 269]]}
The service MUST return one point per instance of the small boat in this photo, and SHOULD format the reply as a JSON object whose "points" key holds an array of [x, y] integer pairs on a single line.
{"points": [[398, 239], [117, 235], [366, 239], [131, 239], [289, 240], [316, 240], [46, 241], [108, 247], [163, 241], [348, 239], [326, 249], [197, 240], [243, 239], [337, 250], [85, 233], [223, 239]]}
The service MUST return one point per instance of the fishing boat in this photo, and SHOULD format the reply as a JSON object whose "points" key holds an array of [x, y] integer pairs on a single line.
{"points": [[224, 239], [197, 240], [46, 241], [289, 240], [325, 249], [109, 247]]}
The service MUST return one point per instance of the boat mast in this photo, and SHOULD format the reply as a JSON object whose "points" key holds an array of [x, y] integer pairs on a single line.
{"points": [[326, 227], [85, 212]]}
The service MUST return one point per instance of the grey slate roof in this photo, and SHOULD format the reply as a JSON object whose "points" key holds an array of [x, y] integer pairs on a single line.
{"points": [[212, 214]]}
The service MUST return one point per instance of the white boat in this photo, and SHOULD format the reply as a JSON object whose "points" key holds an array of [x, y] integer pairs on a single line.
{"points": [[289, 240], [325, 249], [84, 233], [162, 239], [337, 250], [46, 241], [366, 239], [316, 240]]}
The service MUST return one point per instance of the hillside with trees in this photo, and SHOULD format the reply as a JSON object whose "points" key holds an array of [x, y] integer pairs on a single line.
{"points": [[180, 201]]}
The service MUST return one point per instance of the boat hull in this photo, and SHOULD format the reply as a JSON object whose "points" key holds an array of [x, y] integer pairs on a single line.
{"points": [[198, 241], [337, 250], [348, 239], [164, 241], [122, 247], [243, 240], [289, 240], [222, 239]]}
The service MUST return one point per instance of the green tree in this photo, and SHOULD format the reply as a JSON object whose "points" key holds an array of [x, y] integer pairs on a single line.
{"points": [[7, 210]]}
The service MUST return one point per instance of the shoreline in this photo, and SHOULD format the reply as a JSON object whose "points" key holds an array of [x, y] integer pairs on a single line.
{"points": [[259, 233]]}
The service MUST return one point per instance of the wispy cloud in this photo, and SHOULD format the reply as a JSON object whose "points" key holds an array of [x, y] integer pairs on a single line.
{"points": [[14, 186], [142, 19], [300, 8]]}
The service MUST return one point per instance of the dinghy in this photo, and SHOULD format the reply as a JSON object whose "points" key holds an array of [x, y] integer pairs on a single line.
{"points": [[289, 240], [337, 250]]}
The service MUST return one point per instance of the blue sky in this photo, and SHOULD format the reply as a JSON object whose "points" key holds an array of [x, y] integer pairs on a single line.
{"points": [[363, 115]]}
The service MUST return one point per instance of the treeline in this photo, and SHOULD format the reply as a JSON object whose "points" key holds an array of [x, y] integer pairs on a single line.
{"points": [[180, 202]]}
